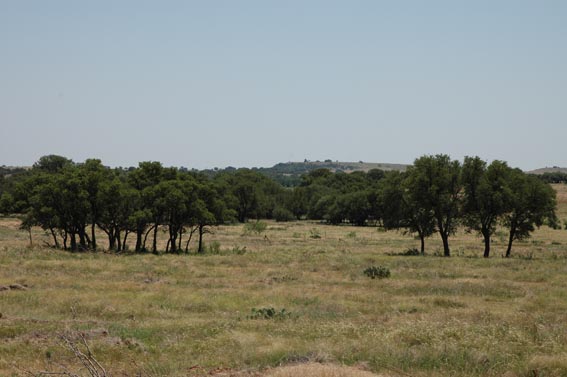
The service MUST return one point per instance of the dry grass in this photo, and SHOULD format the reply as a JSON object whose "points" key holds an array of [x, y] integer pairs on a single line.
{"points": [[190, 315]]}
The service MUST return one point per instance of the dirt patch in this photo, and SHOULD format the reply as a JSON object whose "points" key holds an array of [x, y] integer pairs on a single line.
{"points": [[14, 287], [319, 370]]}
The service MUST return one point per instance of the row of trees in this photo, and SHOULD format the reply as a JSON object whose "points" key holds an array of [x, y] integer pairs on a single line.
{"points": [[70, 201], [435, 194]]}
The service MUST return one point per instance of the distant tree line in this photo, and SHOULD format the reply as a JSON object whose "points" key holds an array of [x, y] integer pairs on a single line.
{"points": [[553, 177], [435, 195]]}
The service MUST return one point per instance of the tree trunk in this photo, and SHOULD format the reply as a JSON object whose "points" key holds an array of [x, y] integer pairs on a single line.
{"points": [[93, 236], [126, 232], [111, 241], [510, 240], [154, 246], [118, 241], [29, 232], [139, 240], [54, 238], [422, 239], [172, 238], [146, 236], [445, 238], [73, 242], [200, 250], [486, 235], [83, 238], [189, 240]]}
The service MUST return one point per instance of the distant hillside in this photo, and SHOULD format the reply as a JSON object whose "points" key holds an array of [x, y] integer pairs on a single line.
{"points": [[334, 166], [289, 173], [555, 169]]}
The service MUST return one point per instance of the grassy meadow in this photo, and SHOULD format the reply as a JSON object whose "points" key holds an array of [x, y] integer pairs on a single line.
{"points": [[192, 315]]}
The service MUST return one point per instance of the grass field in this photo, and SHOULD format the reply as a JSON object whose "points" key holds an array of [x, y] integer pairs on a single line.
{"points": [[189, 315]]}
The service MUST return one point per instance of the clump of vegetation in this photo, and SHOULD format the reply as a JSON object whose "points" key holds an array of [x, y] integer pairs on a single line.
{"points": [[377, 272], [315, 233], [213, 248], [282, 214], [411, 252], [351, 235], [257, 227], [269, 313]]}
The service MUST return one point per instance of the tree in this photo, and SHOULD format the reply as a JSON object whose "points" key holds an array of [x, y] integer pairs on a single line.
{"points": [[94, 175], [434, 182], [52, 163], [486, 196], [399, 208], [355, 207], [532, 203], [119, 203]]}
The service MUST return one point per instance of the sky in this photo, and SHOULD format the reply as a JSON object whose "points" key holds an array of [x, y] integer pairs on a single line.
{"points": [[245, 83]]}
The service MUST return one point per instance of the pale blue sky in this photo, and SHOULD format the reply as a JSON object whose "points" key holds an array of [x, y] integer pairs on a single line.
{"points": [[253, 83]]}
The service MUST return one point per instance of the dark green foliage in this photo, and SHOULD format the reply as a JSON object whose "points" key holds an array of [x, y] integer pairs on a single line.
{"points": [[282, 214], [553, 177], [377, 272]]}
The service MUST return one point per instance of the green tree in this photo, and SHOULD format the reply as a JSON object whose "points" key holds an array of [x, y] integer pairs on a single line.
{"points": [[119, 203], [94, 175], [400, 209], [434, 182], [532, 203], [52, 163], [486, 196]]}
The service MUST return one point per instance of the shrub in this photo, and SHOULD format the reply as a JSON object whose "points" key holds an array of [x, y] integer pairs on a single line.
{"points": [[213, 248], [411, 252], [268, 313], [238, 250], [379, 272], [257, 227], [282, 214], [315, 233]]}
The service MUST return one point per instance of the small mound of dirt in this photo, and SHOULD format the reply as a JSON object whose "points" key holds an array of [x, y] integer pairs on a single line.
{"points": [[319, 370], [14, 287]]}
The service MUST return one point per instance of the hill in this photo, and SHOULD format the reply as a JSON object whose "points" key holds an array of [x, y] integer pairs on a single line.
{"points": [[554, 169], [289, 173]]}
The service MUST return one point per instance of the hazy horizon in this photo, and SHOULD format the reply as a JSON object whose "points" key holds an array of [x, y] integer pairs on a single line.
{"points": [[253, 83]]}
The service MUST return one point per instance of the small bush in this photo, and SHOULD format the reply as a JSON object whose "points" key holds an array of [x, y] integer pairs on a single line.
{"points": [[213, 248], [238, 250], [377, 272], [282, 214], [268, 313], [411, 252], [315, 233], [257, 227], [351, 235]]}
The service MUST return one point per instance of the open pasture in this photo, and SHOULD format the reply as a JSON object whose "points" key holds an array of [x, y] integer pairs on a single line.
{"points": [[190, 315]]}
